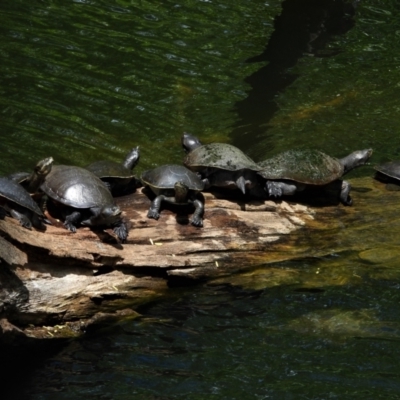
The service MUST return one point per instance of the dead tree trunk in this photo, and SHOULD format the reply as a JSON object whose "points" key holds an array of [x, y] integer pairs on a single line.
{"points": [[56, 277]]}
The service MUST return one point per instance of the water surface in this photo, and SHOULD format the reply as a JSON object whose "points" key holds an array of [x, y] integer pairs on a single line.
{"points": [[83, 80]]}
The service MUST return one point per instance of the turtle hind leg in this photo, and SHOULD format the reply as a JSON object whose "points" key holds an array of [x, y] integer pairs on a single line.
{"points": [[345, 194], [279, 188]]}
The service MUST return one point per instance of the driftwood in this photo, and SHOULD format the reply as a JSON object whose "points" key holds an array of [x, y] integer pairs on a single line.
{"points": [[68, 281]]}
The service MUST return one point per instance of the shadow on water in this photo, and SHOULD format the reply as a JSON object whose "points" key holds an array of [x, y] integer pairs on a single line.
{"points": [[302, 29]]}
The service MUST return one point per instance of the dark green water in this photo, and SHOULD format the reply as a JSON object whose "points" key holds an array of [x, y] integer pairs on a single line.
{"points": [[83, 80]]}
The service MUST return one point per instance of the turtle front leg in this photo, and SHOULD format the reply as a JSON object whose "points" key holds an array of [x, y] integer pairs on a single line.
{"points": [[71, 220], [345, 194], [121, 230], [21, 217], [154, 210], [197, 219]]}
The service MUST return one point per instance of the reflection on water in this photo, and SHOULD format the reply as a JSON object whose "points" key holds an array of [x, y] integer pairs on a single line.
{"points": [[83, 80]]}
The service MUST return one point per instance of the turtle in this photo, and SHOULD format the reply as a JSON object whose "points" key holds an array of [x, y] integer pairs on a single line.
{"points": [[118, 176], [174, 184], [31, 181], [18, 203], [390, 173], [220, 164], [86, 199], [292, 170]]}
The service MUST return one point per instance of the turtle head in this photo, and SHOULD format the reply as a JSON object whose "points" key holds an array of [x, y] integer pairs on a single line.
{"points": [[106, 215], [41, 170], [181, 192], [355, 159], [190, 142], [43, 167], [132, 158]]}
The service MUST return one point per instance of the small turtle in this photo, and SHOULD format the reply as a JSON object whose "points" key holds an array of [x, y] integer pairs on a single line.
{"points": [[390, 173], [292, 170], [31, 181], [18, 203], [175, 184], [220, 164], [117, 176], [86, 199]]}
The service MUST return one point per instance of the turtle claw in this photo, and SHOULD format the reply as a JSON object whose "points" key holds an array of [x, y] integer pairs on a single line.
{"points": [[121, 231], [70, 226], [26, 224], [241, 184], [153, 214], [345, 194], [274, 189], [197, 221]]}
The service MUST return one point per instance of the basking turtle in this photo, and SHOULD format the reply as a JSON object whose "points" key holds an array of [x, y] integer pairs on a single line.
{"points": [[18, 203], [86, 199], [390, 173], [292, 170], [220, 164], [31, 181], [175, 184], [117, 176]]}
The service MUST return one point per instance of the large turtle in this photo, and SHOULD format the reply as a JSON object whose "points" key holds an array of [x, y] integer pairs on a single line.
{"points": [[117, 176], [292, 170], [86, 198], [174, 184], [18, 203], [220, 164], [389, 173]]}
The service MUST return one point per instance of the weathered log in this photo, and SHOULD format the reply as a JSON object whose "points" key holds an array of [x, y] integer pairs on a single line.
{"points": [[56, 277]]}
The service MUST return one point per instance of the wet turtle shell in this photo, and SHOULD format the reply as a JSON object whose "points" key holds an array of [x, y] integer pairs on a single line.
{"points": [[305, 166], [389, 173], [87, 196], [175, 184], [13, 197], [116, 175], [220, 164], [76, 187], [390, 169], [164, 178], [222, 156]]}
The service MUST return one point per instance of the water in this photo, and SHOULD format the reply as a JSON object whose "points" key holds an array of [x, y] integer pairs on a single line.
{"points": [[84, 80]]}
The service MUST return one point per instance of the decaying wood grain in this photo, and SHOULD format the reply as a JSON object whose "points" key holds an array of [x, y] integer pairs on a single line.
{"points": [[56, 277]]}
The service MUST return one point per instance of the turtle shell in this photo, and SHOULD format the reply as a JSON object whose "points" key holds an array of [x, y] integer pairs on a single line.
{"points": [[14, 192], [305, 166], [165, 177], [109, 169], [391, 169], [76, 187], [221, 156]]}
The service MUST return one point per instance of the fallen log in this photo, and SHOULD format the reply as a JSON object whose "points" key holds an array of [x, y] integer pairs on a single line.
{"points": [[58, 278]]}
